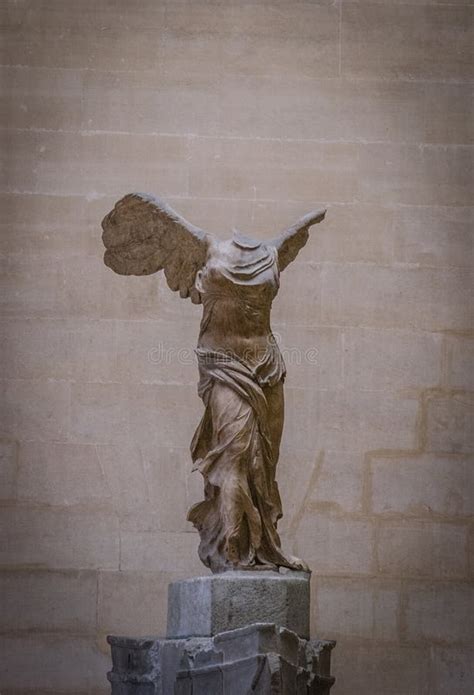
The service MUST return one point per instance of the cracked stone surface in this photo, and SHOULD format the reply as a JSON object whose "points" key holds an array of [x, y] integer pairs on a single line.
{"points": [[205, 606], [260, 658]]}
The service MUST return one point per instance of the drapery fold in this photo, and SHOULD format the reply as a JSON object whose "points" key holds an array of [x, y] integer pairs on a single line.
{"points": [[233, 449]]}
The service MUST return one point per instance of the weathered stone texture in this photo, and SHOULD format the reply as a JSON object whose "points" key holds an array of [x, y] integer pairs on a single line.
{"points": [[61, 474], [205, 606], [242, 114], [260, 658], [453, 670], [439, 613], [430, 299], [461, 363], [450, 424], [423, 485], [321, 535], [133, 603], [339, 485], [393, 669], [58, 538], [58, 662], [391, 359], [347, 420], [422, 549], [33, 600], [373, 48], [155, 551], [357, 609], [8, 468]]}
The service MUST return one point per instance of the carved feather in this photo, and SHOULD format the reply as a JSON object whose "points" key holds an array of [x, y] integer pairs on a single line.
{"points": [[290, 242], [143, 235]]}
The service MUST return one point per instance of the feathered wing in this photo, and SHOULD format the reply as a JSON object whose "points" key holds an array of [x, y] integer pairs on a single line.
{"points": [[289, 243], [143, 235]]}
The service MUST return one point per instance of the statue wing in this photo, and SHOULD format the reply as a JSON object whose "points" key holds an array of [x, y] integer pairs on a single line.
{"points": [[289, 243], [143, 235]]}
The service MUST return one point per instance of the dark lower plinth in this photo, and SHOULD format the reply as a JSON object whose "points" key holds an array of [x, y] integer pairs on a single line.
{"points": [[260, 659], [229, 634]]}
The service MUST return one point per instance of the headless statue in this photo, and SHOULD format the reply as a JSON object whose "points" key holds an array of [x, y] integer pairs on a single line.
{"points": [[241, 370]]}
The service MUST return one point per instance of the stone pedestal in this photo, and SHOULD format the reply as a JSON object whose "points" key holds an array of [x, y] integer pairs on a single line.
{"points": [[230, 634], [205, 606]]}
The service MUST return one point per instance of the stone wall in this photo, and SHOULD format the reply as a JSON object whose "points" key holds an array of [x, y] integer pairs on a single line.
{"points": [[246, 113]]}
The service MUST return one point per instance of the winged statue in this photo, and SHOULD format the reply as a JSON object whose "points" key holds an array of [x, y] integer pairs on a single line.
{"points": [[241, 370]]}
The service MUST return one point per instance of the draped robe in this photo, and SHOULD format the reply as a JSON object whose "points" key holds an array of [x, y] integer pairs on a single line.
{"points": [[236, 445]]}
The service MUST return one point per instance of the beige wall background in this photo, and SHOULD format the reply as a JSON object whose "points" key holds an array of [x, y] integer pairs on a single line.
{"points": [[248, 114]]}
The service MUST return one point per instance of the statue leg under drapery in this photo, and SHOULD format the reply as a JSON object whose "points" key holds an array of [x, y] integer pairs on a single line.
{"points": [[236, 449]]}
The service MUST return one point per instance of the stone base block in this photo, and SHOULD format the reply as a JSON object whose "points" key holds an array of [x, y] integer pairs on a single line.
{"points": [[206, 606], [262, 659]]}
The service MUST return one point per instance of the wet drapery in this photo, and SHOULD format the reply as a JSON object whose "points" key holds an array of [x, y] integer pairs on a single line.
{"points": [[236, 445], [236, 451]]}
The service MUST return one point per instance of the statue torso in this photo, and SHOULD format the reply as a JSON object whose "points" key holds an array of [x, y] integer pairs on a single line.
{"points": [[237, 286]]}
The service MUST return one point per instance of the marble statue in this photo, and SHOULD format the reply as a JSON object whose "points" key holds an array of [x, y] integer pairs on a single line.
{"points": [[241, 370]]}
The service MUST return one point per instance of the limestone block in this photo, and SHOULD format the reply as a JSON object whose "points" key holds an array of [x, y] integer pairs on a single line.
{"points": [[117, 413], [393, 668], [423, 485], [340, 483], [153, 551], [8, 468], [450, 424], [414, 549], [348, 608], [49, 224], [71, 46], [391, 359], [38, 600], [205, 606], [354, 421], [55, 15], [461, 363], [433, 236], [440, 612], [28, 293], [48, 662], [170, 503], [334, 545], [58, 538], [312, 355], [51, 349], [127, 480], [66, 163], [37, 410], [346, 110], [258, 40], [307, 282], [167, 102], [453, 669], [175, 407], [133, 603], [153, 162], [287, 169], [61, 474], [50, 99], [428, 175], [372, 48], [91, 291], [358, 295], [293, 489], [156, 351], [100, 414]]}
